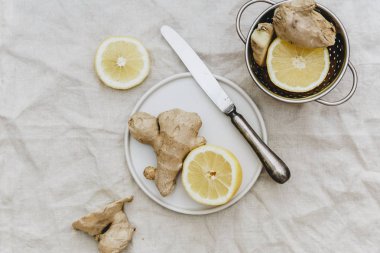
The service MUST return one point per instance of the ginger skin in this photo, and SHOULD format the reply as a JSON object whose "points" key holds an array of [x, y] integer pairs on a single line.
{"points": [[172, 135], [110, 227], [150, 173], [297, 22], [260, 41]]}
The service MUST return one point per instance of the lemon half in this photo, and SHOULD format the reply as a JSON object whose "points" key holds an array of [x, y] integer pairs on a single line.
{"points": [[296, 69], [122, 62], [211, 175]]}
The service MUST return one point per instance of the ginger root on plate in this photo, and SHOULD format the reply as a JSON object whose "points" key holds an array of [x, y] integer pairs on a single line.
{"points": [[172, 135], [260, 41], [297, 22], [110, 227]]}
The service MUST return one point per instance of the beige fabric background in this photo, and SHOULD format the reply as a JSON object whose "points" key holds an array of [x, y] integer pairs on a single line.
{"points": [[61, 133]]}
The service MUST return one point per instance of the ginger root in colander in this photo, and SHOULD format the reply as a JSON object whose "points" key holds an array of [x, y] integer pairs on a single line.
{"points": [[297, 22], [172, 135], [110, 227], [260, 41]]}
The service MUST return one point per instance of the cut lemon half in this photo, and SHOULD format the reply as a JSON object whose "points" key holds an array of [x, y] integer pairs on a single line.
{"points": [[211, 175], [296, 69], [122, 62]]}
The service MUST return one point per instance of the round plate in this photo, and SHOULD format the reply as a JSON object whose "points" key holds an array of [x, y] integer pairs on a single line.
{"points": [[181, 91]]}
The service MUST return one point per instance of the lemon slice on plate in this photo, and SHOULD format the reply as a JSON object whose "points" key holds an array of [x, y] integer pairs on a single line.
{"points": [[211, 175], [296, 69], [122, 62]]}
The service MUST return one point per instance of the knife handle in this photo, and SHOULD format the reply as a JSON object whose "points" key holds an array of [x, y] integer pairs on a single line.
{"points": [[275, 167]]}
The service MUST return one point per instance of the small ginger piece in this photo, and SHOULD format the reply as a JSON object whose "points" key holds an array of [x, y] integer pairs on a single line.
{"points": [[110, 227], [297, 22], [260, 41], [150, 173], [172, 135]]}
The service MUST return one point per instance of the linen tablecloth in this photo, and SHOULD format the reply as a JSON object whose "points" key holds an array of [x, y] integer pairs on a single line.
{"points": [[62, 133]]}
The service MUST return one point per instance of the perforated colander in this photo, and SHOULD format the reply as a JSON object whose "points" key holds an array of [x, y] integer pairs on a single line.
{"points": [[339, 60]]}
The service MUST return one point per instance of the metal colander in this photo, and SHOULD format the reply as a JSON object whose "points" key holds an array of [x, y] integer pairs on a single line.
{"points": [[339, 60]]}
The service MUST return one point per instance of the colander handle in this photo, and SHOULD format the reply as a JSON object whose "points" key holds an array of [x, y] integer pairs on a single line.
{"points": [[242, 9], [350, 94]]}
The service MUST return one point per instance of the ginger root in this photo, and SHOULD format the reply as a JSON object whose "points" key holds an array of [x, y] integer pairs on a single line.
{"points": [[172, 135], [110, 227], [297, 22], [260, 41]]}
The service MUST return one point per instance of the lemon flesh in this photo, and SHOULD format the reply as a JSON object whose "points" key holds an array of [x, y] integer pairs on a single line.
{"points": [[211, 175], [296, 69], [122, 62]]}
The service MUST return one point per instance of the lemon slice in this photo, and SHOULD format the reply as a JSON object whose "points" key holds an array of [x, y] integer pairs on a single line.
{"points": [[211, 175], [296, 69], [122, 62]]}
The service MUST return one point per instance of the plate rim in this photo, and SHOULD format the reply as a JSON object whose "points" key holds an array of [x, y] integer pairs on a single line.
{"points": [[134, 174]]}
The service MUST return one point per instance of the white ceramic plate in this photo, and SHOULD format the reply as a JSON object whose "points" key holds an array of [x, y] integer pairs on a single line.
{"points": [[181, 91]]}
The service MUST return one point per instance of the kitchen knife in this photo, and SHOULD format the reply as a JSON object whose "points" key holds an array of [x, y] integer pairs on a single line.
{"points": [[276, 168]]}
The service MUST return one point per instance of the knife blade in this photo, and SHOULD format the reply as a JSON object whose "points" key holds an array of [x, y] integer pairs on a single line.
{"points": [[198, 69], [276, 168]]}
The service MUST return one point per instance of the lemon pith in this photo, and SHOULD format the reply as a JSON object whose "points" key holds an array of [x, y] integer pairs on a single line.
{"points": [[211, 175], [295, 68], [122, 62]]}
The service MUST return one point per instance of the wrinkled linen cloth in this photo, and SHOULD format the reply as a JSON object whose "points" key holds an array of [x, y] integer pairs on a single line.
{"points": [[62, 133]]}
